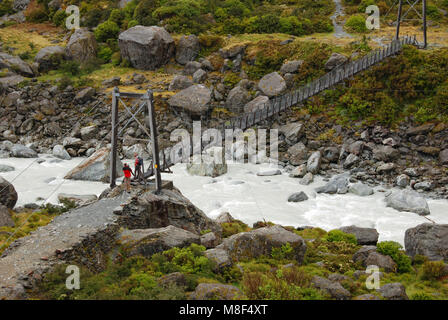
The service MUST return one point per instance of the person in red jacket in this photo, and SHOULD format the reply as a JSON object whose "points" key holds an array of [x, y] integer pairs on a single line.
{"points": [[127, 176]]}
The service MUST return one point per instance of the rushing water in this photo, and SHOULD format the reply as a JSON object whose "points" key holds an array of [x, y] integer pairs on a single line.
{"points": [[241, 192]]}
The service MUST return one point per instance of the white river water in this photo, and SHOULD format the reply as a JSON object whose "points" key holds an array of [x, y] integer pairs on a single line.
{"points": [[255, 199]]}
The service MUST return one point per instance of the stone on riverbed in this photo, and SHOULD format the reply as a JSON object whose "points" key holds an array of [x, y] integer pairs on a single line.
{"points": [[79, 200], [6, 168], [407, 200], [95, 168]]}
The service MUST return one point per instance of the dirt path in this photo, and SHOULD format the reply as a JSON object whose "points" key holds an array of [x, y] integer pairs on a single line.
{"points": [[338, 29], [32, 255]]}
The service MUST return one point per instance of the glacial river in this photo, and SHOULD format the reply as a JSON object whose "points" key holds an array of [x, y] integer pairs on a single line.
{"points": [[241, 192]]}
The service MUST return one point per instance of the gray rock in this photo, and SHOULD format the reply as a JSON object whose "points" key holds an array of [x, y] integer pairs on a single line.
{"points": [[255, 104], [210, 240], [385, 153], [112, 82], [443, 156], [199, 76], [6, 168], [430, 240], [386, 167], [146, 48], [5, 217], [260, 242], [50, 58], [79, 200], [129, 151], [220, 257], [402, 181], [351, 161], [82, 46], [292, 132], [8, 195], [191, 67], [337, 184], [307, 179], [213, 164], [331, 154], [367, 296], [335, 60], [297, 153], [85, 95], [362, 254], [195, 99], [20, 151], [215, 291], [269, 173], [291, 66], [147, 242], [314, 162], [424, 185], [408, 200], [60, 152], [16, 65], [272, 84], [393, 291], [298, 197], [232, 52], [90, 132], [95, 168], [360, 189], [237, 98], [180, 82], [364, 236], [224, 217], [175, 278], [334, 289], [187, 49], [382, 261], [298, 172]]}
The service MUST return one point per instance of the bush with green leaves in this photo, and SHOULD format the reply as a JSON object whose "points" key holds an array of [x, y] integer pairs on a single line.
{"points": [[340, 236], [434, 270], [105, 53], [59, 18], [394, 250], [107, 30], [356, 23]]}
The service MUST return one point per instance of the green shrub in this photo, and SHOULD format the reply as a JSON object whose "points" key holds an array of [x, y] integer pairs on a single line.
{"points": [[59, 18], [356, 23], [107, 30], [231, 79], [105, 53], [132, 23], [116, 59], [421, 296], [340, 236], [434, 270], [231, 228], [6, 7], [70, 67], [393, 249], [285, 252]]}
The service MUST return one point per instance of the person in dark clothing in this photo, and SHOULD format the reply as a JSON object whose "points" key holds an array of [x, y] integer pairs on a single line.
{"points": [[127, 176], [138, 168]]}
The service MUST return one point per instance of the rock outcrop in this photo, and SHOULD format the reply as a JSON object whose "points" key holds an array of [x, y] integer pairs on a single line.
{"points": [[82, 46], [8, 194], [146, 48], [430, 240]]}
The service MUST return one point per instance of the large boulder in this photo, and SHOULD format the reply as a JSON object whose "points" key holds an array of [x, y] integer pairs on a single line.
{"points": [[15, 64], [215, 291], [256, 104], [297, 154], [219, 257], [393, 291], [8, 195], [407, 200], [430, 240], [336, 59], [194, 100], [5, 217], [360, 189], [20, 151], [169, 207], [180, 82], [95, 168], [82, 46], [382, 261], [146, 48], [261, 241], [334, 289], [187, 49], [362, 254], [291, 66], [292, 132], [364, 236], [314, 162], [237, 99], [272, 84], [337, 184], [147, 242], [60, 152], [213, 164], [50, 58]]}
